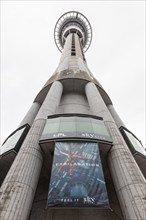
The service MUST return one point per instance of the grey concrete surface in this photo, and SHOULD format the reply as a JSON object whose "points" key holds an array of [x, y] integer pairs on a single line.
{"points": [[115, 116], [73, 103], [31, 114], [18, 189], [73, 71], [128, 180], [24, 191]]}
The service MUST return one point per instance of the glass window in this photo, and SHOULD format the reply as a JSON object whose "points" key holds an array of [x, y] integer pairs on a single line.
{"points": [[136, 144], [77, 127], [14, 141], [84, 125], [67, 126]]}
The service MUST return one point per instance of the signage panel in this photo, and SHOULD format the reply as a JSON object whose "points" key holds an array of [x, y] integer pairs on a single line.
{"points": [[77, 177], [75, 127]]}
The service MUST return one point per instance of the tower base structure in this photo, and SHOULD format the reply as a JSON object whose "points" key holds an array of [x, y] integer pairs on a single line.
{"points": [[73, 161]]}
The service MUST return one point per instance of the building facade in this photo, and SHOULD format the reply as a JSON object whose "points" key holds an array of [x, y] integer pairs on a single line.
{"points": [[72, 157]]}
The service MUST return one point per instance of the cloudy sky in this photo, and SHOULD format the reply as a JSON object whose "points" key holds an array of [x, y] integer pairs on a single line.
{"points": [[116, 56]]}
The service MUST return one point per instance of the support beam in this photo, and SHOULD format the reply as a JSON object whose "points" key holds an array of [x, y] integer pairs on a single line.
{"points": [[18, 189], [128, 180], [31, 114], [115, 116]]}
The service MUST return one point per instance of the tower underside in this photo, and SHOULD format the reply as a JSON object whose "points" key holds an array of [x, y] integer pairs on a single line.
{"points": [[71, 112]]}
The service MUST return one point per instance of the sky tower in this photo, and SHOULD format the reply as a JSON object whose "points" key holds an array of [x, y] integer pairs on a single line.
{"points": [[72, 157]]}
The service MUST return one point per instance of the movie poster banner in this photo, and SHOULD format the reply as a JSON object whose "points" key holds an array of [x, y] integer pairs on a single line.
{"points": [[77, 177]]}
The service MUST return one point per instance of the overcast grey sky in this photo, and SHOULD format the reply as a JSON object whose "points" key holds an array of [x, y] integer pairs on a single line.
{"points": [[116, 56]]}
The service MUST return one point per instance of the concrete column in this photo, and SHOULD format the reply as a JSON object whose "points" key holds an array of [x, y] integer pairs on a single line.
{"points": [[129, 183], [66, 54], [115, 116], [51, 102], [31, 114], [18, 189], [78, 47]]}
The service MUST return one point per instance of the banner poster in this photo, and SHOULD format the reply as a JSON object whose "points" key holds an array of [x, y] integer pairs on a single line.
{"points": [[77, 177]]}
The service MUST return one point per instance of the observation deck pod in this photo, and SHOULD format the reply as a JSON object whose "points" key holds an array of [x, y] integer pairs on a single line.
{"points": [[73, 22]]}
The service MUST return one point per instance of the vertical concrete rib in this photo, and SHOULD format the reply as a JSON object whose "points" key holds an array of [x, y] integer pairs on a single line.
{"points": [[64, 60], [129, 183], [18, 189], [31, 114], [115, 116], [78, 47], [52, 101]]}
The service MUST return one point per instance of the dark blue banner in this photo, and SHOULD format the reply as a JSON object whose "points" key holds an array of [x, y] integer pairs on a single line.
{"points": [[77, 177]]}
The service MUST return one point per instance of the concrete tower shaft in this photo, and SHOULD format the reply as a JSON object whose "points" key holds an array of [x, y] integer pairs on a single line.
{"points": [[72, 71], [72, 91]]}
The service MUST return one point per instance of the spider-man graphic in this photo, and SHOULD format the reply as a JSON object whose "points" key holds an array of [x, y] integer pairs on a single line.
{"points": [[77, 178], [71, 160]]}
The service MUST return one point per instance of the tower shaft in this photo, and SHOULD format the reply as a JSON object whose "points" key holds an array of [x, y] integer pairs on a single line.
{"points": [[72, 91]]}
